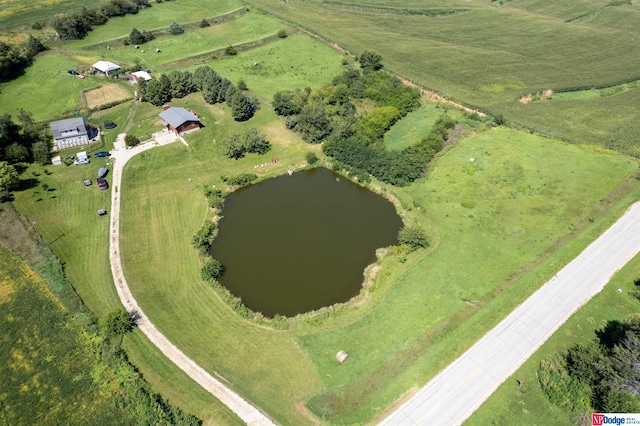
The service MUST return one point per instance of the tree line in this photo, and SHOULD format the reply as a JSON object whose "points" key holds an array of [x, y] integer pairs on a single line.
{"points": [[329, 115], [15, 58], [602, 376], [76, 25], [213, 87]]}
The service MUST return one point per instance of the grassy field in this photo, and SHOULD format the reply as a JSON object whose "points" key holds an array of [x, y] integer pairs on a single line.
{"points": [[17, 12], [529, 405], [46, 363], [61, 91], [503, 203], [502, 53], [249, 27]]}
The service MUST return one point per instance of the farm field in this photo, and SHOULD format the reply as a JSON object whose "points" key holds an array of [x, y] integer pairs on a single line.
{"points": [[498, 228], [105, 95], [504, 53]]}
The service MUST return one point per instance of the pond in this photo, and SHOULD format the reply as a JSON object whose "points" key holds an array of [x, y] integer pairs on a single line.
{"points": [[293, 244]]}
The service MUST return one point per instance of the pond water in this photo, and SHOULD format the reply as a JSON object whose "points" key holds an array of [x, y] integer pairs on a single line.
{"points": [[296, 243]]}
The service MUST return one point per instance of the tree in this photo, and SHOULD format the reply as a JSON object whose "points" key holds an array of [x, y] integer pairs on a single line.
{"points": [[370, 61], [311, 158], [118, 322], [282, 33], [313, 123], [204, 23], [158, 92], [241, 85], [33, 46], [17, 153], [136, 37], [242, 107], [414, 236], [230, 51], [255, 142], [181, 83], [233, 147], [175, 28], [212, 269], [8, 179], [131, 140], [41, 152]]}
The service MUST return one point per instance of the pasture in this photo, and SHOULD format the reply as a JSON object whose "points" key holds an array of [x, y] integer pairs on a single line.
{"points": [[503, 53]]}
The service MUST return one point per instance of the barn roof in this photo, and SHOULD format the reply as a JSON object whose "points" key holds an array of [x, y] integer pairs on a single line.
{"points": [[177, 116], [105, 66], [142, 74]]}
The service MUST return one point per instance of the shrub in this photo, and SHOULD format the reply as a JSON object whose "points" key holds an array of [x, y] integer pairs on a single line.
{"points": [[230, 51], [36, 26], [311, 158], [204, 23], [282, 33], [175, 28], [212, 269], [414, 236], [131, 140], [239, 180]]}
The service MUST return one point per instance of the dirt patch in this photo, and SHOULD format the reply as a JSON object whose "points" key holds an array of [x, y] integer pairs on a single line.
{"points": [[106, 95]]}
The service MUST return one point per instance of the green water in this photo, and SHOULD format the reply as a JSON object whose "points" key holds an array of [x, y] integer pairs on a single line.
{"points": [[296, 243]]}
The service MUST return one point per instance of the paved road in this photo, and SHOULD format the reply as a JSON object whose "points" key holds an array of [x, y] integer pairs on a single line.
{"points": [[457, 391], [248, 413]]}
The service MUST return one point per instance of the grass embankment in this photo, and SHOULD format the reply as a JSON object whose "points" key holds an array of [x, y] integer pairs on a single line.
{"points": [[527, 404], [501, 54]]}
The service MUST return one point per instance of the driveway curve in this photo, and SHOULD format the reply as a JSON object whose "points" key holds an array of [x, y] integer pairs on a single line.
{"points": [[458, 390], [247, 412]]}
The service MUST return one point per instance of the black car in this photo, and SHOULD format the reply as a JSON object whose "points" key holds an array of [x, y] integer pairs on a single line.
{"points": [[73, 72], [102, 212], [110, 125], [101, 154]]}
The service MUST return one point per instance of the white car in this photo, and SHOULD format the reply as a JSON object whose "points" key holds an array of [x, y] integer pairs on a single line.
{"points": [[82, 161]]}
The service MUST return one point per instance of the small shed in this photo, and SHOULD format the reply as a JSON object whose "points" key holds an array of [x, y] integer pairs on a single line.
{"points": [[56, 161], [140, 75]]}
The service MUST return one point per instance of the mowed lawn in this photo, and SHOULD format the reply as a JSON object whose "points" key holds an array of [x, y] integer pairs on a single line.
{"points": [[497, 219], [46, 89]]}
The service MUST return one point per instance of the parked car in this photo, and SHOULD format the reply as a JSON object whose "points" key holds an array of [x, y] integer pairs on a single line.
{"points": [[102, 172], [102, 212], [73, 72], [101, 154], [102, 184], [81, 161]]}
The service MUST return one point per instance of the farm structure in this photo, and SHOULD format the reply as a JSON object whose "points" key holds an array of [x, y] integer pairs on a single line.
{"points": [[105, 67], [179, 120], [140, 75], [69, 133]]}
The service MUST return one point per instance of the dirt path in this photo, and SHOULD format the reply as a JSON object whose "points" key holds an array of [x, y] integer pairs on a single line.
{"points": [[248, 413]]}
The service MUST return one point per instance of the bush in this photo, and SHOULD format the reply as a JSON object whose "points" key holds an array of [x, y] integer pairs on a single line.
{"points": [[131, 140], [311, 158], [175, 28], [36, 26], [239, 180], [230, 51], [414, 236], [282, 33], [212, 269], [204, 23]]}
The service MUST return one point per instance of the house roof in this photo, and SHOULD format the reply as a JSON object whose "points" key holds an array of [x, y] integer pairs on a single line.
{"points": [[142, 74], [105, 66], [177, 116], [71, 127]]}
